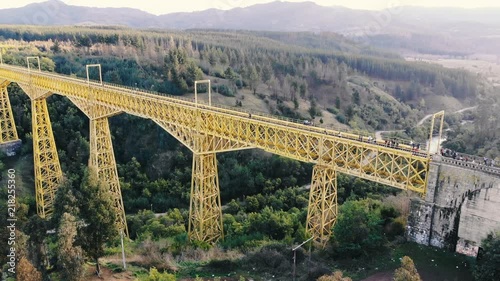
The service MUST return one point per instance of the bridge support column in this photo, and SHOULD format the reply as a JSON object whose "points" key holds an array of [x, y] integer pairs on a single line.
{"points": [[102, 158], [9, 141], [322, 209], [48, 172], [205, 212]]}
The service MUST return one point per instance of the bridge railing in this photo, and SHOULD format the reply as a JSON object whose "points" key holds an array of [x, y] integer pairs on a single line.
{"points": [[470, 158], [140, 91], [469, 165], [278, 120]]}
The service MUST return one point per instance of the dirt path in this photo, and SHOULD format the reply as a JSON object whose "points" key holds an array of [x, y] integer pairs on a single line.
{"points": [[458, 111]]}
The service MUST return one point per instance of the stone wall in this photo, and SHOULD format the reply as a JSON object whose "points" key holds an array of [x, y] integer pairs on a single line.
{"points": [[460, 208]]}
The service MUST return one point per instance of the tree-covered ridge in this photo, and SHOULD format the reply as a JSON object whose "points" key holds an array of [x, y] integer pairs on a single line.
{"points": [[477, 132], [290, 77], [264, 197], [239, 50]]}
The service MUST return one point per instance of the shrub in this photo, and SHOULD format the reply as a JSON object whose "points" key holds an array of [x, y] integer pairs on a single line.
{"points": [[221, 266], [488, 259], [341, 118], [223, 90], [154, 275], [332, 110]]}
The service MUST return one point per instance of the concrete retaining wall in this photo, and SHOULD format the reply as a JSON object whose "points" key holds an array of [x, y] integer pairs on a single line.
{"points": [[461, 207]]}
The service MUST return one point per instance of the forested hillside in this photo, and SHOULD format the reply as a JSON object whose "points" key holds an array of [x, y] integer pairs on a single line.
{"points": [[364, 88], [264, 196]]}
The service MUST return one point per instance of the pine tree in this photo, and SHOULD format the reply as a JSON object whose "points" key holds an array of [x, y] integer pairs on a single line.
{"points": [[37, 247], [254, 78], [98, 215], [70, 258]]}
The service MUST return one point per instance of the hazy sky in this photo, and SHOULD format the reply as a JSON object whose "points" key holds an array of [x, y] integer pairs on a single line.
{"points": [[168, 6]]}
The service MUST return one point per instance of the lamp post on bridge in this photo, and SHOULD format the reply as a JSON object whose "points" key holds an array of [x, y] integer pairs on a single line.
{"points": [[28, 63], [196, 91], [100, 72], [196, 99], [433, 119]]}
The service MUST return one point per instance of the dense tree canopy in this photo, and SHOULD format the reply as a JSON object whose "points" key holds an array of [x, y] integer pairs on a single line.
{"points": [[264, 196], [98, 215], [359, 229], [488, 262]]}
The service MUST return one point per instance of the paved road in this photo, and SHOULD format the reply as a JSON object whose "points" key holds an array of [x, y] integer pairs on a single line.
{"points": [[378, 134], [458, 111]]}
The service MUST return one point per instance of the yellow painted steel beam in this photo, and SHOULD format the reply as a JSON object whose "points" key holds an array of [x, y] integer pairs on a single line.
{"points": [[201, 144], [48, 174], [205, 212], [322, 209], [102, 158], [93, 111], [208, 129], [8, 132], [398, 168], [440, 115]]}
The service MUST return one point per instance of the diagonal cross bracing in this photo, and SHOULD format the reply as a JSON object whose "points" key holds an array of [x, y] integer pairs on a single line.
{"points": [[209, 129]]}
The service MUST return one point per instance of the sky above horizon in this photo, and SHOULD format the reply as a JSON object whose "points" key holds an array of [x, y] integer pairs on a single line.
{"points": [[159, 7]]}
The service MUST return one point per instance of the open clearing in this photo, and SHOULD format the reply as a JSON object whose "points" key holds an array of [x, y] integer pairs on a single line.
{"points": [[486, 68]]}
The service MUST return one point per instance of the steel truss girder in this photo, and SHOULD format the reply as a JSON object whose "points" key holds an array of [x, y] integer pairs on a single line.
{"points": [[102, 158], [8, 131], [206, 129], [322, 209], [48, 174], [303, 143], [205, 212], [92, 110], [35, 93], [201, 143]]}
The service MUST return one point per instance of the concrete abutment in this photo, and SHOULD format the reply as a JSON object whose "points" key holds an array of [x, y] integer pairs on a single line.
{"points": [[460, 208]]}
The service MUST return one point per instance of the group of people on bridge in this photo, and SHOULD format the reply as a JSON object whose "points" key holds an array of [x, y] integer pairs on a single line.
{"points": [[463, 157]]}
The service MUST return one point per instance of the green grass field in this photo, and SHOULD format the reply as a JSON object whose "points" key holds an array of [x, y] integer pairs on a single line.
{"points": [[432, 264]]}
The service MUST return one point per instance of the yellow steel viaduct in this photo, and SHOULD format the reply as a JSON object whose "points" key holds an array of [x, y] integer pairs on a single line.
{"points": [[206, 130]]}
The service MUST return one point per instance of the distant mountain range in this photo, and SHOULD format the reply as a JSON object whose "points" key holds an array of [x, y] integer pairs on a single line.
{"points": [[275, 16], [461, 29]]}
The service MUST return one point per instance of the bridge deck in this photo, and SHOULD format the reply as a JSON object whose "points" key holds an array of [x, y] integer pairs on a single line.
{"points": [[205, 128]]}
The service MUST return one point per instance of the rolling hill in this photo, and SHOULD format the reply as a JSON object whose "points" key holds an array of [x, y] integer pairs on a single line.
{"points": [[441, 31]]}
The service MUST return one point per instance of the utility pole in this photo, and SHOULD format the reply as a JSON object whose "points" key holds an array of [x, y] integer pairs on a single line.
{"points": [[123, 250], [294, 250]]}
